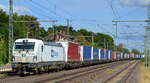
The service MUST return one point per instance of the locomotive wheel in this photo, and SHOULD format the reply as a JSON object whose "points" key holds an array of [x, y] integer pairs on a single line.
{"points": [[35, 71], [21, 73], [39, 71]]}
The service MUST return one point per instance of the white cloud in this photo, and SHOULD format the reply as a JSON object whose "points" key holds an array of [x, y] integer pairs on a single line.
{"points": [[16, 9], [3, 7], [21, 9], [139, 3]]}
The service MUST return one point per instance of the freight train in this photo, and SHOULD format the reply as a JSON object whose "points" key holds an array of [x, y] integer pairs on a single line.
{"points": [[34, 55]]}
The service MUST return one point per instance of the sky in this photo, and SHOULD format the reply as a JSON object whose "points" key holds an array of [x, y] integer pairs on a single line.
{"points": [[93, 15]]}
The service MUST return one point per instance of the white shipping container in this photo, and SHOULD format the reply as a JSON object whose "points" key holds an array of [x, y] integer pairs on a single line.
{"points": [[81, 53], [54, 53], [99, 54], [109, 54]]}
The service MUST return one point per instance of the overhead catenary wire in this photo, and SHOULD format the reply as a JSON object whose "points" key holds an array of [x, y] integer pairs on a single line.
{"points": [[130, 12], [60, 8], [37, 12], [76, 18], [111, 6], [44, 11], [47, 9]]}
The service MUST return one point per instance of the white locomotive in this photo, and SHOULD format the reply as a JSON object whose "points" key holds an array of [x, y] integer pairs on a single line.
{"points": [[27, 50], [33, 55]]}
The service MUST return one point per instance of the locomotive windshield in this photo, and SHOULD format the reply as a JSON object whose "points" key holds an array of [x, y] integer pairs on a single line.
{"points": [[24, 46]]}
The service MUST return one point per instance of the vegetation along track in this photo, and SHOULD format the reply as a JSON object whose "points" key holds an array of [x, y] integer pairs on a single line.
{"points": [[61, 75]]}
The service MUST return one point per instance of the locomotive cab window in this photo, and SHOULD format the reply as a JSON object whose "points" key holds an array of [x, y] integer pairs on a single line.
{"points": [[28, 46]]}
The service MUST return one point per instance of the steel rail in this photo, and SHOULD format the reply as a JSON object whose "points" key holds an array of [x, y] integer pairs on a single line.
{"points": [[123, 80], [70, 76]]}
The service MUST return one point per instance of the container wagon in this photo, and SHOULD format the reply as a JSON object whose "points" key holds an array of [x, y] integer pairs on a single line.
{"points": [[35, 56]]}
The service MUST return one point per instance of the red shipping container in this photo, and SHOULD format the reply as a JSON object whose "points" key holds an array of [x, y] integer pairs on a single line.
{"points": [[73, 52], [114, 55]]}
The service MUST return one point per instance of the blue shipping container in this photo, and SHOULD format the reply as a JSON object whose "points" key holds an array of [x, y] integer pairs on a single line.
{"points": [[87, 53], [102, 54], [110, 55], [107, 54], [95, 54]]}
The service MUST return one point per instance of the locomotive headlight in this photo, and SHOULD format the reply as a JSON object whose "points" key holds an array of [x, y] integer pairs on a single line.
{"points": [[34, 58], [13, 58]]}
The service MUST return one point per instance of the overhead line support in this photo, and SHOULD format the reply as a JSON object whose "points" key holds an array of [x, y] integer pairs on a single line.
{"points": [[10, 29]]}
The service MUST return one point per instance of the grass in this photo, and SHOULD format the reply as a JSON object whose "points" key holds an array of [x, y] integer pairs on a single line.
{"points": [[3, 75], [144, 74]]}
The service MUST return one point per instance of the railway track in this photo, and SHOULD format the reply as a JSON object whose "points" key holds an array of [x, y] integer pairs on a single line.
{"points": [[68, 77], [62, 76], [123, 75], [126, 77], [5, 69], [79, 74]]}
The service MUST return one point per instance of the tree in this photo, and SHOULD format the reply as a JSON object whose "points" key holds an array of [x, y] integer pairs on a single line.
{"points": [[135, 51], [3, 50], [3, 37], [126, 50], [21, 30], [104, 41], [85, 37], [24, 27]]}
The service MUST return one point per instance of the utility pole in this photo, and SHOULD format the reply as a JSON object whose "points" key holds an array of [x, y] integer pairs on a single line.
{"points": [[116, 37], [53, 25], [28, 34], [10, 29], [105, 43], [117, 21], [92, 39], [116, 31], [33, 21], [68, 26], [87, 37], [147, 47]]}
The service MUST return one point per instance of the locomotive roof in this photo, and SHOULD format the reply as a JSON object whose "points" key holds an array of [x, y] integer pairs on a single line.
{"points": [[29, 40], [53, 44]]}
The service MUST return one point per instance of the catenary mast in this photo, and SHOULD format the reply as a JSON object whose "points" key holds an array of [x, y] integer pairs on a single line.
{"points": [[147, 41], [10, 28]]}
